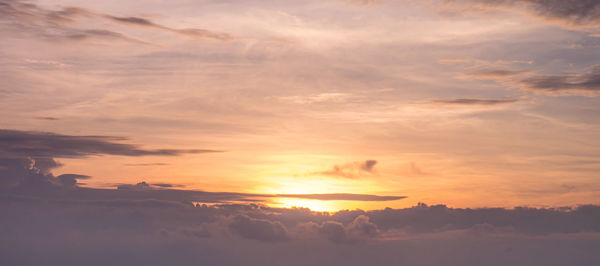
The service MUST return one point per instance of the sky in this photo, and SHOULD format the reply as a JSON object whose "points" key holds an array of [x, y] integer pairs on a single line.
{"points": [[359, 132], [449, 101]]}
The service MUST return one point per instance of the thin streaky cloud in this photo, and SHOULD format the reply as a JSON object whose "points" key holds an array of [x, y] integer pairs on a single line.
{"points": [[25, 15], [15, 143], [473, 101], [574, 83], [582, 14]]}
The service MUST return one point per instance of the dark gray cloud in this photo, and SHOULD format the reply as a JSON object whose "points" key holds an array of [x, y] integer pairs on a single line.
{"points": [[14, 143], [70, 180], [587, 82], [474, 101], [368, 165], [342, 196], [166, 185], [27, 159]]}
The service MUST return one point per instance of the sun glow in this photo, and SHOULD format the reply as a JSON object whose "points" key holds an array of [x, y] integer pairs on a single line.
{"points": [[314, 205]]}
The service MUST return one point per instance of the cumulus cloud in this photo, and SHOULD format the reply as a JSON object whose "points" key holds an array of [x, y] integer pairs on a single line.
{"points": [[154, 232], [258, 229], [70, 180]]}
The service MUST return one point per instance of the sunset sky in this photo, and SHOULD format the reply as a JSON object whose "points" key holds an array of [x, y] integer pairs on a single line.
{"points": [[300, 132], [469, 103]]}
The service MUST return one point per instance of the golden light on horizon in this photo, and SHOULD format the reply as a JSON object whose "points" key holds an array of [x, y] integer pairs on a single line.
{"points": [[313, 205]]}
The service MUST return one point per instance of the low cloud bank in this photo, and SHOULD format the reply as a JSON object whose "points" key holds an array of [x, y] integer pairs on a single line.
{"points": [[159, 232]]}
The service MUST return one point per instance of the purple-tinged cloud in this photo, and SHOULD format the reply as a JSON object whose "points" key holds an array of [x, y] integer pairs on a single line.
{"points": [[586, 82], [351, 170]]}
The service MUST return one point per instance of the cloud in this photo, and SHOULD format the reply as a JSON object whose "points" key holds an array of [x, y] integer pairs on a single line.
{"points": [[139, 186], [27, 159], [70, 180], [145, 186], [357, 231], [258, 229], [166, 185], [76, 34], [201, 33], [27, 18], [14, 143], [157, 231], [361, 228], [474, 101], [146, 164], [342, 196], [59, 25], [333, 231], [495, 73], [351, 170], [583, 83], [577, 83], [49, 118], [568, 13]]}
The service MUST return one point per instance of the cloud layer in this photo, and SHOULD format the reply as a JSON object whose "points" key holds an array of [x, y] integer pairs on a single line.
{"points": [[154, 232]]}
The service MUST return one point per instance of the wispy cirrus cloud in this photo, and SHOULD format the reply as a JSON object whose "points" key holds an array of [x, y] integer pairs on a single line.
{"points": [[587, 83], [583, 14], [193, 32], [473, 101], [495, 73], [59, 25], [572, 84]]}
